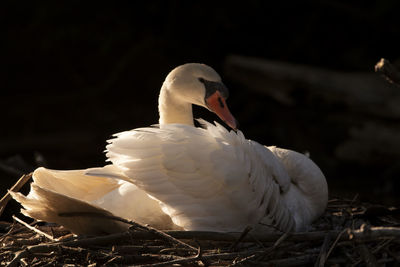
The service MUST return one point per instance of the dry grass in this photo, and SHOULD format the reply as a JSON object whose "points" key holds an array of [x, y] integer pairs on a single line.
{"points": [[349, 233]]}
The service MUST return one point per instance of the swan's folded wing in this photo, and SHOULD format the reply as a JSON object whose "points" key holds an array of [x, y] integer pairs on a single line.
{"points": [[98, 187], [206, 179], [46, 205]]}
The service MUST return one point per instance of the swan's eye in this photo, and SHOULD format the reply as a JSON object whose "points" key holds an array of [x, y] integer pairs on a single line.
{"points": [[211, 87]]}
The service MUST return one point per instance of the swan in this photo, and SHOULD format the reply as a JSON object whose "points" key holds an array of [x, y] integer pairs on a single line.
{"points": [[177, 176]]}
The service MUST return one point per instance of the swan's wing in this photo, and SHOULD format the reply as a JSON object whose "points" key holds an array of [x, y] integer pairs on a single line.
{"points": [[308, 197], [206, 179], [102, 191], [46, 205]]}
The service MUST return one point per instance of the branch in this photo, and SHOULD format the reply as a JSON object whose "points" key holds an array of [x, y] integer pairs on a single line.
{"points": [[390, 72], [18, 185], [153, 231], [34, 229], [362, 234]]}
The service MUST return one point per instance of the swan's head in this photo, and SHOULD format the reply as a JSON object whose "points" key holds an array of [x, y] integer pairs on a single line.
{"points": [[201, 85]]}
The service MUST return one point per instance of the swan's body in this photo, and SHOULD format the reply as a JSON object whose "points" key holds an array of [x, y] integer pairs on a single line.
{"points": [[179, 176]]}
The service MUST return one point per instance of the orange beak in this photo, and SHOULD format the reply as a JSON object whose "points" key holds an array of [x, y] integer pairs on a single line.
{"points": [[216, 103]]}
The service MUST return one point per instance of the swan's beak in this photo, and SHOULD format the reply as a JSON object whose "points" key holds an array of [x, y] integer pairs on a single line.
{"points": [[216, 103]]}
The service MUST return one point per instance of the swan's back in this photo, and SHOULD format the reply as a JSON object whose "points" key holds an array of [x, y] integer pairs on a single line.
{"points": [[205, 178]]}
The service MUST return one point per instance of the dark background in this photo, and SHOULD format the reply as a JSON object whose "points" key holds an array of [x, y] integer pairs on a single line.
{"points": [[75, 72]]}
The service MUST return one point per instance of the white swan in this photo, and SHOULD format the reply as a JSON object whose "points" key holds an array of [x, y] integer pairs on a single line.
{"points": [[176, 176]]}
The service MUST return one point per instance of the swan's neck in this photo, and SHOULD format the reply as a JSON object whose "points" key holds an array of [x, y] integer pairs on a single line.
{"points": [[172, 109]]}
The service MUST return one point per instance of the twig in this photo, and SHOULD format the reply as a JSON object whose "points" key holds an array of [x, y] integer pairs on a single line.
{"points": [[281, 239], [335, 242], [383, 244], [23, 261], [322, 257], [16, 187], [372, 233], [390, 72], [34, 229], [242, 235]]}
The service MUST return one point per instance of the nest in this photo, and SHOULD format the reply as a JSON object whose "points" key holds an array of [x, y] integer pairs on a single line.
{"points": [[349, 233]]}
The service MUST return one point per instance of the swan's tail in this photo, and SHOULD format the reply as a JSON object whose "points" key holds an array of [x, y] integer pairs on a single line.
{"points": [[56, 195], [46, 205]]}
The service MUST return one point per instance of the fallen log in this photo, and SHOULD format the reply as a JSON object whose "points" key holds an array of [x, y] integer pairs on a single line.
{"points": [[342, 117], [360, 92]]}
